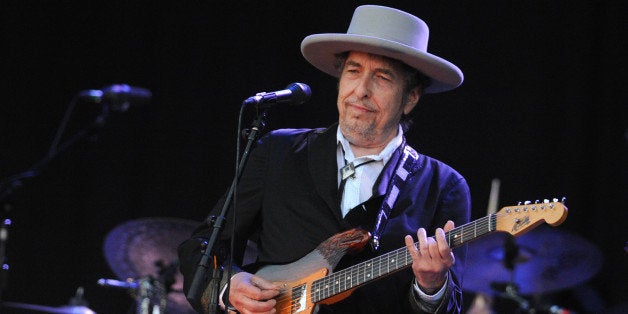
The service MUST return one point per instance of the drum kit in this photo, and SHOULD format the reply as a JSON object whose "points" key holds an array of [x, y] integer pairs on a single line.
{"points": [[142, 254], [518, 270]]}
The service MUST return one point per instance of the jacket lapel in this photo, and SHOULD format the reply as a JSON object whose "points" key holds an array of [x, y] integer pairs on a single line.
{"points": [[323, 167]]}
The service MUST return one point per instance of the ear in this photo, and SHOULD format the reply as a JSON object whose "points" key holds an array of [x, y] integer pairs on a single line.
{"points": [[412, 98]]}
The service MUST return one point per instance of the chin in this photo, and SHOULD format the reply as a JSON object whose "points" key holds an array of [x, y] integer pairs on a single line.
{"points": [[355, 132]]}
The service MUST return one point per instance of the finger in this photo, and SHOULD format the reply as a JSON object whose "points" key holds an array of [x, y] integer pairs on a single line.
{"points": [[433, 248], [423, 242], [449, 226], [265, 294], [247, 305], [412, 249], [261, 289], [443, 246], [263, 284]]}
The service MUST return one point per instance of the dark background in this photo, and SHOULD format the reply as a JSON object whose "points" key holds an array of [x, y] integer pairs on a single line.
{"points": [[542, 108]]}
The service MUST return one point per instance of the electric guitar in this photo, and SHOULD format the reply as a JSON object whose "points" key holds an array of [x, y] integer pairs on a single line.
{"points": [[309, 281]]}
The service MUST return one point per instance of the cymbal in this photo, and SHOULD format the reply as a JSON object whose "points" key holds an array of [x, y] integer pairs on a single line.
{"points": [[548, 259], [136, 248], [66, 309]]}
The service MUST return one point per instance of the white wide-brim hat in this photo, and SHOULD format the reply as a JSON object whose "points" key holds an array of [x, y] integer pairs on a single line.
{"points": [[388, 32]]}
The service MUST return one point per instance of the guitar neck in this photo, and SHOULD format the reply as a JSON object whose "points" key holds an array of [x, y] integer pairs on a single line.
{"points": [[390, 262], [471, 231]]}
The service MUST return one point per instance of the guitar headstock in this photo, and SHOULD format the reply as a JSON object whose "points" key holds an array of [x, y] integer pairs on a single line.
{"points": [[521, 218]]}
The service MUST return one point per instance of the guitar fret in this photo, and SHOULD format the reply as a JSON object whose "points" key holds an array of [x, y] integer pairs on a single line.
{"points": [[358, 275], [494, 221], [344, 280], [355, 279], [448, 238], [352, 277], [488, 221]]}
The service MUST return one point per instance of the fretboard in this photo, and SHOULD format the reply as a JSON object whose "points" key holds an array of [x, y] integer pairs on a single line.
{"points": [[390, 262]]}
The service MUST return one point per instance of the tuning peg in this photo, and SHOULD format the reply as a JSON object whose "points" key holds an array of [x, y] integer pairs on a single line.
{"points": [[536, 201], [564, 200], [545, 201], [554, 200], [527, 203]]}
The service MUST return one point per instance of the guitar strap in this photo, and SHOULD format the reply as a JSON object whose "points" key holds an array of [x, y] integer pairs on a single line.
{"points": [[397, 183]]}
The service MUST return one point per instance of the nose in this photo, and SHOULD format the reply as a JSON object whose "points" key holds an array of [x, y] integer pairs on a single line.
{"points": [[362, 89]]}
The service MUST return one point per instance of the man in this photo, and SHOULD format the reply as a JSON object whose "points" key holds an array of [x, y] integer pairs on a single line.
{"points": [[302, 187]]}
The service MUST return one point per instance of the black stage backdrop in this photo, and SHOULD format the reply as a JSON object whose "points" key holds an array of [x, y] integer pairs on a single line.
{"points": [[541, 109]]}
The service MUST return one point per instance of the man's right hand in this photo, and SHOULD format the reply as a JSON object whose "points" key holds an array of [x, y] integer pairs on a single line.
{"points": [[252, 294]]}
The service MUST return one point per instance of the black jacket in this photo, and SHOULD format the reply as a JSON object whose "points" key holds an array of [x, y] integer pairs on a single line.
{"points": [[288, 203]]}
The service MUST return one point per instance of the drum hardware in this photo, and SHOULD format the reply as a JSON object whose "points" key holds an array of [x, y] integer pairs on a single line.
{"points": [[143, 255], [77, 305], [543, 261], [150, 294]]}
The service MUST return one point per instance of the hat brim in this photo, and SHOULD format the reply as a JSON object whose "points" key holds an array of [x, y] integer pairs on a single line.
{"points": [[320, 50]]}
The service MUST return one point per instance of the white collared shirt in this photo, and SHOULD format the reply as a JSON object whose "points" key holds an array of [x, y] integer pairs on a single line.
{"points": [[359, 188]]}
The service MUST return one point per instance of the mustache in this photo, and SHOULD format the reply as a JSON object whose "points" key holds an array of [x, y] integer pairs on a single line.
{"points": [[356, 102]]}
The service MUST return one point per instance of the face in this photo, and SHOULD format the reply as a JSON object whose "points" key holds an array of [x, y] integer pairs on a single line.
{"points": [[371, 100]]}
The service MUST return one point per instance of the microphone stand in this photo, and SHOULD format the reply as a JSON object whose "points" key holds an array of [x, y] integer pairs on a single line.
{"points": [[203, 266], [10, 184]]}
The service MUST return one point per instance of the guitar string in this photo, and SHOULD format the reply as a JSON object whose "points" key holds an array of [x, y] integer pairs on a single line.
{"points": [[360, 270], [468, 230], [471, 233], [283, 297]]}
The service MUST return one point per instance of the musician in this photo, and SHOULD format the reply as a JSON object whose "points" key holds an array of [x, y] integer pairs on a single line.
{"points": [[300, 187]]}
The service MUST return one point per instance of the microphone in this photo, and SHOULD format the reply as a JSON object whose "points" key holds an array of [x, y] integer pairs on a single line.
{"points": [[119, 96], [296, 93]]}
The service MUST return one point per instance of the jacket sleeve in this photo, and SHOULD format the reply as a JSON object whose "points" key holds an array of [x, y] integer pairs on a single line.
{"points": [[455, 205], [249, 202]]}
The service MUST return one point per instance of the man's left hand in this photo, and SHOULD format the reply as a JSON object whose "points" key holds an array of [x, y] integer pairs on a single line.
{"points": [[432, 259]]}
